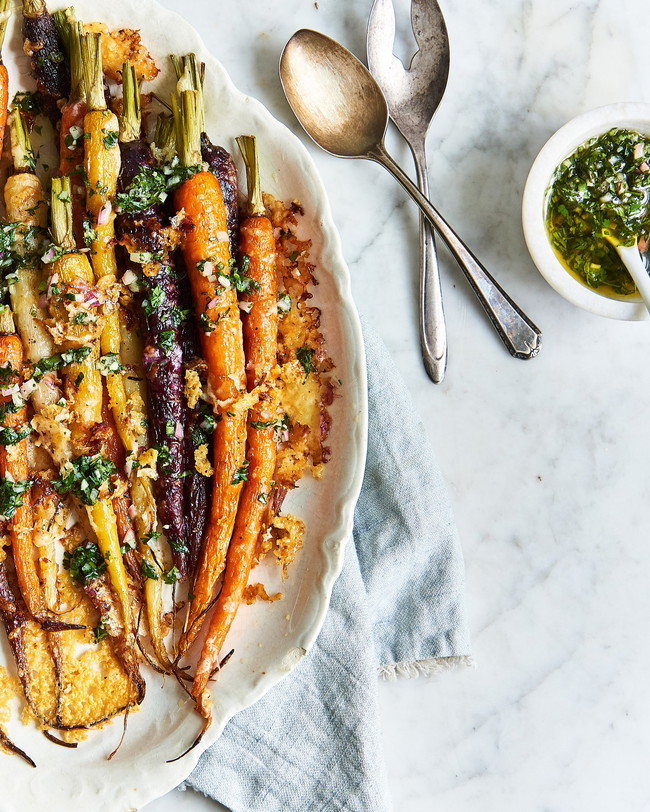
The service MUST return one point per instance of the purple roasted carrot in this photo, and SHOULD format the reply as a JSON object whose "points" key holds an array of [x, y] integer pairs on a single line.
{"points": [[141, 228], [43, 44]]}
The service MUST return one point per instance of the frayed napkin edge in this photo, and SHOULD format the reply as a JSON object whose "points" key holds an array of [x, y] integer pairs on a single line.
{"points": [[410, 669]]}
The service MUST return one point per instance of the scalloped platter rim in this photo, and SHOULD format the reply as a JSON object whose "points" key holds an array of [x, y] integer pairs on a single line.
{"points": [[269, 639]]}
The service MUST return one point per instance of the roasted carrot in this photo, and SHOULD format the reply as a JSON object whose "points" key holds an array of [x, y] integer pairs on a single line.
{"points": [[85, 380], [14, 468], [5, 13], [71, 140], [44, 45], [142, 228], [102, 164], [209, 267], [26, 205], [260, 329]]}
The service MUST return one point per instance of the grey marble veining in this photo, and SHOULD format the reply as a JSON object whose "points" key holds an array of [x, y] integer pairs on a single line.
{"points": [[547, 460]]}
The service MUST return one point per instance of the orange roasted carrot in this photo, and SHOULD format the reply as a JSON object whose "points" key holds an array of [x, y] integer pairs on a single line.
{"points": [[260, 330], [207, 257], [5, 12]]}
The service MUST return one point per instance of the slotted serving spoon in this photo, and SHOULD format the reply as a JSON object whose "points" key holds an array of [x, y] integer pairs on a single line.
{"points": [[413, 97], [343, 110]]}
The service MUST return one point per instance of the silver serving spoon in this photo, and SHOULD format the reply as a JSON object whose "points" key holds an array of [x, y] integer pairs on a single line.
{"points": [[413, 96], [343, 110]]}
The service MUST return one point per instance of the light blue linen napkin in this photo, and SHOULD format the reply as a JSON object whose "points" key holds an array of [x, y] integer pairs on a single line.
{"points": [[313, 742]]}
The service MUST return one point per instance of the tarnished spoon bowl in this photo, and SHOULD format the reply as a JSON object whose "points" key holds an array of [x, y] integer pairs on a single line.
{"points": [[342, 108], [328, 90]]}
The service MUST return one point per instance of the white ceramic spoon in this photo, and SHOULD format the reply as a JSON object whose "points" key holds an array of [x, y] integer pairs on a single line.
{"points": [[636, 267]]}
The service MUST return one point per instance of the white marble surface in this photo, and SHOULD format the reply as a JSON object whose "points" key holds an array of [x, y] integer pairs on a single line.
{"points": [[546, 460]]}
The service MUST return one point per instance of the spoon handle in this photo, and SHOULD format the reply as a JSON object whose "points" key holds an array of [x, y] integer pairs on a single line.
{"points": [[631, 258], [520, 336], [433, 332]]}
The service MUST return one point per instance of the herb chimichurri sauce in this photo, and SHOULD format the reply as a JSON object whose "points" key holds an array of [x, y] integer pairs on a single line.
{"points": [[604, 184]]}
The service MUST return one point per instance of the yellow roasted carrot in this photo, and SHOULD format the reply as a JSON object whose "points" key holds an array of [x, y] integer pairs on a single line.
{"points": [[73, 269], [102, 164]]}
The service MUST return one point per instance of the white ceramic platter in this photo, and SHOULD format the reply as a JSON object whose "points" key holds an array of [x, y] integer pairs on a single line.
{"points": [[269, 639]]}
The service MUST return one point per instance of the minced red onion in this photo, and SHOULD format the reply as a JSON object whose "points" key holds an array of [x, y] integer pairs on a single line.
{"points": [[10, 391], [104, 213], [50, 254], [27, 388], [246, 306], [129, 538], [178, 433]]}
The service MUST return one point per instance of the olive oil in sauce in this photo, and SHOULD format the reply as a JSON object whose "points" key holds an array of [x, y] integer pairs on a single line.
{"points": [[604, 184]]}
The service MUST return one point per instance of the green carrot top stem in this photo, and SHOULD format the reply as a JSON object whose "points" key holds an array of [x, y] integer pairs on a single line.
{"points": [[186, 123], [21, 144], [190, 75], [5, 14], [61, 230], [164, 136], [131, 118], [248, 148], [63, 19], [71, 32], [93, 76], [34, 8]]}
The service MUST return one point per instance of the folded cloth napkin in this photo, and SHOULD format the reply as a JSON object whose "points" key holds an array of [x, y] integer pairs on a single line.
{"points": [[313, 743]]}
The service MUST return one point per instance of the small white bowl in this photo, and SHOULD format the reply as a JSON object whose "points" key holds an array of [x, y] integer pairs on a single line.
{"points": [[631, 116]]}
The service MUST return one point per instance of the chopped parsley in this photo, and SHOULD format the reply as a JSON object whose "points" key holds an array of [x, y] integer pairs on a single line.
{"points": [[85, 477], [60, 360], [603, 187], [206, 427], [263, 498], [110, 139], [284, 303], [100, 631], [151, 536], [80, 318], [166, 341], [306, 357], [154, 301], [165, 461], [241, 474], [11, 495], [148, 571], [7, 374], [240, 278], [8, 408], [171, 576], [110, 364], [9, 436], [90, 233], [27, 102], [147, 189], [85, 564], [281, 427]]}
